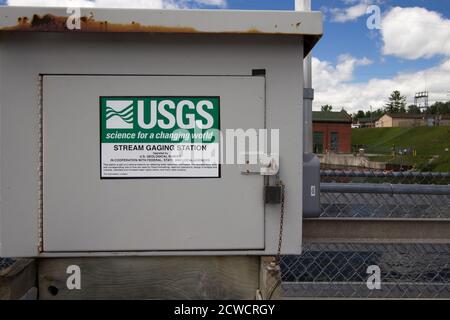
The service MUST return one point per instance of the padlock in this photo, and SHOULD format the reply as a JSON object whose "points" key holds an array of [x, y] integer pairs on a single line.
{"points": [[272, 194]]}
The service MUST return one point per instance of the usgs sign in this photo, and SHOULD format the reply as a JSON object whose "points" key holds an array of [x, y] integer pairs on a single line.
{"points": [[160, 112], [144, 137]]}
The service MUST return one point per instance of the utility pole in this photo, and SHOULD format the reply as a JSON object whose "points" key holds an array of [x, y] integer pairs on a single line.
{"points": [[308, 91]]}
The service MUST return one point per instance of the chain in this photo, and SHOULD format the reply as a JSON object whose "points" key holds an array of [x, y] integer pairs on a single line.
{"points": [[276, 264], [280, 236]]}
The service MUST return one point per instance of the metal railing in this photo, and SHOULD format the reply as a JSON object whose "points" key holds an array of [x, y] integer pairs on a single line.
{"points": [[396, 221], [376, 176], [386, 200]]}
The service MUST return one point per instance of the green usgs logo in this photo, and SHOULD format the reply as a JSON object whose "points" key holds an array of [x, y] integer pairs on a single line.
{"points": [[163, 113]]}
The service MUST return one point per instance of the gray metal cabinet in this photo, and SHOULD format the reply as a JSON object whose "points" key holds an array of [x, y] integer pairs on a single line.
{"points": [[55, 198]]}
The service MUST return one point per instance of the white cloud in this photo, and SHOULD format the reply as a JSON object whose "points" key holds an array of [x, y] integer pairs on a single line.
{"points": [[349, 14], [325, 74], [148, 4], [51, 3], [333, 84], [414, 33], [217, 3], [409, 33]]}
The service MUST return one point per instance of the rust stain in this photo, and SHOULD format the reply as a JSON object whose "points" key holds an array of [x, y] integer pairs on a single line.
{"points": [[49, 22], [254, 30]]}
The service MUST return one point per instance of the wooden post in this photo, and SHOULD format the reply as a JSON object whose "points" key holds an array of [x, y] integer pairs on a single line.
{"points": [[218, 277], [270, 279]]}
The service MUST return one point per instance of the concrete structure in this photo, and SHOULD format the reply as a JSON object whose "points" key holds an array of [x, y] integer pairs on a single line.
{"points": [[332, 132], [390, 120], [58, 197], [350, 160]]}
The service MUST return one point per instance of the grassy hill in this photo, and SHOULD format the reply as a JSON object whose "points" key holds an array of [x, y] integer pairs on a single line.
{"points": [[430, 142]]}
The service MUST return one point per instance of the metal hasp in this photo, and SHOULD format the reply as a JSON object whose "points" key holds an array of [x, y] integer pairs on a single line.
{"points": [[266, 165], [69, 83]]}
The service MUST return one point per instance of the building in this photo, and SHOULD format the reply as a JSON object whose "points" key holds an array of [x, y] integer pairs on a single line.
{"points": [[440, 120], [365, 123], [405, 120], [332, 132], [390, 120]]}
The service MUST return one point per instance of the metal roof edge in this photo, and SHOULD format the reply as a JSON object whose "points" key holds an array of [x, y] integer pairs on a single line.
{"points": [[163, 21]]}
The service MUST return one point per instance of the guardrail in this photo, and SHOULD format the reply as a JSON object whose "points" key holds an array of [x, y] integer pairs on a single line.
{"points": [[386, 200], [376, 176], [385, 188]]}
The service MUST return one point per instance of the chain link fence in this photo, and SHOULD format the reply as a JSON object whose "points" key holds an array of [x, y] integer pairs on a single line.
{"points": [[339, 270], [5, 263]]}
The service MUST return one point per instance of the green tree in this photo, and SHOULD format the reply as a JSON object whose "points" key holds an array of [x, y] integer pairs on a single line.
{"points": [[440, 108], [360, 114], [326, 108], [397, 103], [413, 109], [374, 115], [377, 114]]}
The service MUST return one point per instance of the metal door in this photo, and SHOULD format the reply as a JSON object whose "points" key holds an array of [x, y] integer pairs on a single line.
{"points": [[83, 212]]}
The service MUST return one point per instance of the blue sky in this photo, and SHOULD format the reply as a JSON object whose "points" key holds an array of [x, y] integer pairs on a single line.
{"points": [[351, 60], [354, 37]]}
